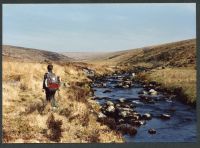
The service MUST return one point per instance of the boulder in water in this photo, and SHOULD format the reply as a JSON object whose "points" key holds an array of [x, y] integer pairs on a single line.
{"points": [[126, 109], [119, 85], [135, 117], [153, 92], [137, 114], [123, 114], [109, 103], [169, 100], [137, 102], [121, 120], [122, 100], [128, 82], [146, 99], [126, 105], [151, 101], [132, 106], [117, 105], [137, 123], [122, 128], [101, 115], [119, 76], [152, 131], [132, 131], [110, 109], [104, 84], [98, 85], [142, 122], [126, 86], [146, 116], [143, 92], [142, 97], [165, 116]]}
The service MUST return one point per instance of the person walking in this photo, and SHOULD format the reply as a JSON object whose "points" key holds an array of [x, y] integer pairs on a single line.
{"points": [[51, 84]]}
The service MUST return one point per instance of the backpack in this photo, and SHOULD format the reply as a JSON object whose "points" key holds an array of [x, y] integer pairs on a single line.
{"points": [[53, 83]]}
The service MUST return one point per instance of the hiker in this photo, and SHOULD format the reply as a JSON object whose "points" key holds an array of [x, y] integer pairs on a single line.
{"points": [[51, 84]]}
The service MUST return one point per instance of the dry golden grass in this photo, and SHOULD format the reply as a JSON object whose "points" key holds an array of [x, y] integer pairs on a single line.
{"points": [[181, 56], [102, 68], [177, 77], [28, 119], [177, 54]]}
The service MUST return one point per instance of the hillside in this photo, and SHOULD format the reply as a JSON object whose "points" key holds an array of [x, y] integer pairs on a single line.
{"points": [[176, 54], [85, 56], [31, 55], [173, 65]]}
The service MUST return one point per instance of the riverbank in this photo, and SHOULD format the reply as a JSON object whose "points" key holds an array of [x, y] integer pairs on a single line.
{"points": [[173, 65], [180, 81], [27, 118]]}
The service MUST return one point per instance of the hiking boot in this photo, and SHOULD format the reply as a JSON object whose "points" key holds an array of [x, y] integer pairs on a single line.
{"points": [[54, 109]]}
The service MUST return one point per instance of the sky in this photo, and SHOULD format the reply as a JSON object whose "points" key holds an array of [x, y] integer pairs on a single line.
{"points": [[97, 27]]}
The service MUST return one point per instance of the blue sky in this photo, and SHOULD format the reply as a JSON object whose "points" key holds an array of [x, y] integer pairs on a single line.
{"points": [[96, 27]]}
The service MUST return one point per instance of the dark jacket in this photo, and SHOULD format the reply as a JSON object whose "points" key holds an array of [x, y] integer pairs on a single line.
{"points": [[45, 77]]}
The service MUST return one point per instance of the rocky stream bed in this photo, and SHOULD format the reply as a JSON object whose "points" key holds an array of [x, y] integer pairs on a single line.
{"points": [[143, 113]]}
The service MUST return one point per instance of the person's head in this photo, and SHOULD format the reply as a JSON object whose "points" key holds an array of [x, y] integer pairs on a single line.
{"points": [[50, 67]]}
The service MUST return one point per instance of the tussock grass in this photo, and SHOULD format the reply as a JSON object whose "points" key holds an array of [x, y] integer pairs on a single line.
{"points": [[177, 77], [55, 127], [27, 116]]}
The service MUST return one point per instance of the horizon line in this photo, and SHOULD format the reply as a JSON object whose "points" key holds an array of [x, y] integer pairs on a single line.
{"points": [[100, 51]]}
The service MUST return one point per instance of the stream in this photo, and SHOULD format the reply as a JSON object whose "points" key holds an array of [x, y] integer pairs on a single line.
{"points": [[180, 127]]}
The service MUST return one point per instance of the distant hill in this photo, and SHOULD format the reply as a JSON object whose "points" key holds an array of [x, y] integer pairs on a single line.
{"points": [[85, 56], [176, 54], [32, 55]]}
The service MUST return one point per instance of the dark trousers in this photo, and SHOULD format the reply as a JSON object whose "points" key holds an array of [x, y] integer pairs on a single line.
{"points": [[50, 96]]}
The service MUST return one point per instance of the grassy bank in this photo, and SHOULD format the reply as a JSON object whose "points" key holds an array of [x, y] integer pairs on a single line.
{"points": [[172, 65], [172, 78], [28, 119], [183, 78]]}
